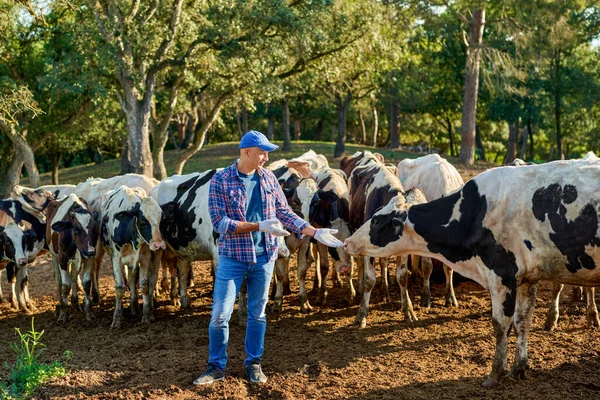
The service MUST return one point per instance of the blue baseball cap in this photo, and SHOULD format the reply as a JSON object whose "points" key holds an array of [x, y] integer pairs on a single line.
{"points": [[256, 139]]}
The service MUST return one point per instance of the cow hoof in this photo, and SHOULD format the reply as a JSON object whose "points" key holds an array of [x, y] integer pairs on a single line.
{"points": [[90, 317], [451, 302], [306, 308], [490, 382], [14, 304], [95, 298], [593, 322], [410, 316], [426, 302], [516, 374], [145, 319], [115, 325], [26, 310], [63, 318], [550, 325], [276, 307], [360, 322]]}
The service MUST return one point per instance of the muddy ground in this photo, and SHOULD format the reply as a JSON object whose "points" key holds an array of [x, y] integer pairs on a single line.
{"points": [[446, 354]]}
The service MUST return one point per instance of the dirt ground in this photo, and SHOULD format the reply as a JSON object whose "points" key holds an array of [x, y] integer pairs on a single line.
{"points": [[446, 354]]}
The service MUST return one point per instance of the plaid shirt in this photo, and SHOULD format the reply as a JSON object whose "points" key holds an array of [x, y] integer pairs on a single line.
{"points": [[227, 203]]}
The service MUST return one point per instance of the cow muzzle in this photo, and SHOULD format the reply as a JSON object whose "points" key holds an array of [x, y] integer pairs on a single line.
{"points": [[351, 247], [21, 261], [345, 270], [90, 252], [155, 246]]}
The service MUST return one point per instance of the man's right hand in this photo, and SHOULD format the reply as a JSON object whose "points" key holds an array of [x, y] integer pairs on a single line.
{"points": [[272, 226]]}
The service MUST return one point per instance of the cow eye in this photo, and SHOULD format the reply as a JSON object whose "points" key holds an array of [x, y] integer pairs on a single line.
{"points": [[375, 222]]}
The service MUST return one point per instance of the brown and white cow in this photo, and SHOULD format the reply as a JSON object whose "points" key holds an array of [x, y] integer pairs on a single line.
{"points": [[507, 229], [436, 178], [130, 232], [360, 158], [92, 191], [72, 235]]}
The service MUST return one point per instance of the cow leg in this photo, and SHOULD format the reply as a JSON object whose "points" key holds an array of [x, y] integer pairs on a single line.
{"points": [[592, 311], [280, 272], [174, 295], [449, 294], [243, 304], [155, 265], [25, 285], [383, 264], [119, 276], [360, 264], [183, 268], [314, 256], [96, 273], [11, 277], [324, 268], [65, 288], [303, 265], [501, 324], [133, 279], [553, 312], [522, 319], [145, 272], [1, 295], [577, 294], [74, 271], [426, 269], [21, 283], [368, 282], [88, 276], [402, 275]]}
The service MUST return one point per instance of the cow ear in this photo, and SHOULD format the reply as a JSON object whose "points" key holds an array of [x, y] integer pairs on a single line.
{"points": [[95, 215], [328, 195], [288, 192], [61, 226], [123, 216], [29, 239]]}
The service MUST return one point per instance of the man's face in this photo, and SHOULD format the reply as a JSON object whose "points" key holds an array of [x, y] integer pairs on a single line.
{"points": [[255, 157]]}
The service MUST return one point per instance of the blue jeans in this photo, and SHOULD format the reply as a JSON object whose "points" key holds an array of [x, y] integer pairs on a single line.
{"points": [[228, 280]]}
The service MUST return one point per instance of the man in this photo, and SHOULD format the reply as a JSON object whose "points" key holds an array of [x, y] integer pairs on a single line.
{"points": [[246, 206]]}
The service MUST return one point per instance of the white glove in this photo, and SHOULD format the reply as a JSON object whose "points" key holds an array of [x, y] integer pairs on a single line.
{"points": [[273, 227], [326, 237]]}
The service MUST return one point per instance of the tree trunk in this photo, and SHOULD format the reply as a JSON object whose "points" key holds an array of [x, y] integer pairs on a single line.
{"points": [[297, 130], [469, 112], [55, 167], [531, 141], [244, 120], [450, 130], [375, 126], [26, 154], [513, 135], [138, 120], [285, 125], [523, 152], [11, 175], [342, 105], [363, 139], [557, 119], [125, 166], [479, 144], [319, 130], [271, 127], [395, 126]]}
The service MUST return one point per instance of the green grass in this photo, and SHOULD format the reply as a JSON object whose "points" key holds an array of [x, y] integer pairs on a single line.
{"points": [[27, 373], [219, 155]]}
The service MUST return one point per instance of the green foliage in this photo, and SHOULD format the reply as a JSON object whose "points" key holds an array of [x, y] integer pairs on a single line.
{"points": [[29, 372]]}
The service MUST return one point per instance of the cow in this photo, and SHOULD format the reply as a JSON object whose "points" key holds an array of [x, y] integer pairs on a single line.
{"points": [[92, 191], [71, 235], [552, 314], [186, 226], [506, 229], [26, 210], [302, 194], [360, 158], [333, 211], [18, 247], [59, 191], [436, 177], [315, 161], [130, 232], [372, 186]]}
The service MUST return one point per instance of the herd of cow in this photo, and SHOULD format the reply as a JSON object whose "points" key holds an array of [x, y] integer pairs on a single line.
{"points": [[507, 229]]}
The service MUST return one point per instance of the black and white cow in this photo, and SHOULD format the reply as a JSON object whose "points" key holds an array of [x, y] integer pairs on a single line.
{"points": [[130, 232], [436, 178], [186, 226], [372, 186], [302, 194], [72, 235], [26, 211], [92, 191], [358, 159], [18, 247], [507, 229], [59, 191], [333, 211]]}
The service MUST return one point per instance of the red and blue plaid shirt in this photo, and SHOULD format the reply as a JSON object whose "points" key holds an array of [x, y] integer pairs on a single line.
{"points": [[227, 207]]}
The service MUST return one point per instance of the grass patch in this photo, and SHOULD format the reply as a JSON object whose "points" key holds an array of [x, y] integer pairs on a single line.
{"points": [[28, 372]]}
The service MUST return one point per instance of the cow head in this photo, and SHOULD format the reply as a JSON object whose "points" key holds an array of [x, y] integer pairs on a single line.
{"points": [[34, 199], [388, 232], [16, 242], [147, 215], [304, 199], [79, 226]]}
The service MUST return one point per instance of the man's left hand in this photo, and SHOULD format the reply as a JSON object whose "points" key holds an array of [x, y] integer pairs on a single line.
{"points": [[326, 237]]}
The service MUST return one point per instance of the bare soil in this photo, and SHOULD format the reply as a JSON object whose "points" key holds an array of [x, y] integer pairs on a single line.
{"points": [[446, 354]]}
